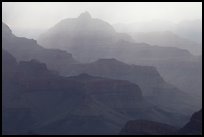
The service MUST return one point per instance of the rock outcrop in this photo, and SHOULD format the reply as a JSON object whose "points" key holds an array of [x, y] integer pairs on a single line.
{"points": [[24, 49], [194, 126]]}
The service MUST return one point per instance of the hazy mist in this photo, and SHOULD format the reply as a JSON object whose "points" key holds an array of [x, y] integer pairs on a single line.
{"points": [[102, 68], [32, 18]]}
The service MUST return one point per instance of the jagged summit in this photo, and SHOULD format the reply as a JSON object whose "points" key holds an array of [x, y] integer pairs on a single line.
{"points": [[85, 15]]}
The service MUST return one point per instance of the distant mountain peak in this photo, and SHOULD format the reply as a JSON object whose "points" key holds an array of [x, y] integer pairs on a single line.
{"points": [[85, 15]]}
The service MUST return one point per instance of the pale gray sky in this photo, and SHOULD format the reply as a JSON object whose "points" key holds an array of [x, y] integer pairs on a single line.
{"points": [[34, 17]]}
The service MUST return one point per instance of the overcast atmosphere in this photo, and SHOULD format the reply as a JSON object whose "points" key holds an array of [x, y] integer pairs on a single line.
{"points": [[123, 68], [23, 17]]}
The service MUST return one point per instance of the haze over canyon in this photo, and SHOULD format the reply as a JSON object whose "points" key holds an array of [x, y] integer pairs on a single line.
{"points": [[83, 71]]}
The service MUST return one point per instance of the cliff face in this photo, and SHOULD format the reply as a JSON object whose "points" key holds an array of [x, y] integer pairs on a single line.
{"points": [[144, 127], [52, 104], [43, 102], [154, 88], [194, 126], [24, 49], [147, 77]]}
